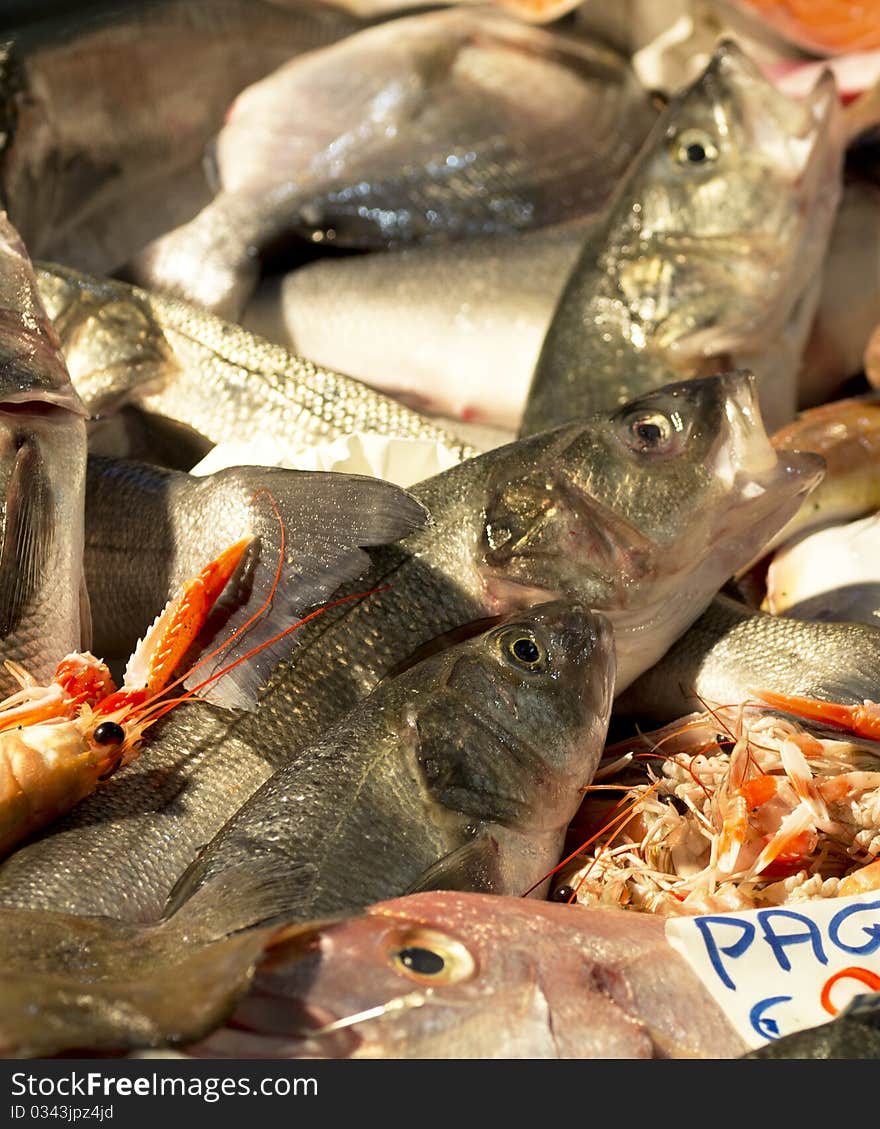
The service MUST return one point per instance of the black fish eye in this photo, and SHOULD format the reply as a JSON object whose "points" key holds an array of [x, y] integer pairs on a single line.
{"points": [[424, 962], [108, 733], [694, 147], [653, 432], [525, 651]]}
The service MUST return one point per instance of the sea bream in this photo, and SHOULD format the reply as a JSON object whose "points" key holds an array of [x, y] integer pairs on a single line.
{"points": [[107, 109], [44, 610], [444, 124], [709, 255], [640, 514], [463, 975]]}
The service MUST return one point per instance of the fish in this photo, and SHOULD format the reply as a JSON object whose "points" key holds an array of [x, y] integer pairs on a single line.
{"points": [[464, 769], [448, 124], [734, 650], [846, 433], [129, 347], [44, 610], [453, 329], [709, 254], [148, 529], [108, 110], [626, 525], [830, 574], [467, 975]]}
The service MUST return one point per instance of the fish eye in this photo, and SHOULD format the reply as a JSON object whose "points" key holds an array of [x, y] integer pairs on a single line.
{"points": [[694, 148], [653, 433], [431, 958], [108, 733], [523, 648]]}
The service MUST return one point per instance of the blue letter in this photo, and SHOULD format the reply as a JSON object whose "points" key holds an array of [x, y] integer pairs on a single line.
{"points": [[777, 943], [872, 931], [734, 950]]}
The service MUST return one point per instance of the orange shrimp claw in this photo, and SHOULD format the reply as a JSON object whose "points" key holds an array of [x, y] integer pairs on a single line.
{"points": [[863, 720], [164, 645]]}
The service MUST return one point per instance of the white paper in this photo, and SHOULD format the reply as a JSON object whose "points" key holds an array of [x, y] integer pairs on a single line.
{"points": [[784, 968]]}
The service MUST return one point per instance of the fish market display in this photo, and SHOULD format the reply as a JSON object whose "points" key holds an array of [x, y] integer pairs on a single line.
{"points": [[108, 107], [443, 124], [125, 345], [439, 613], [463, 770], [44, 611], [500, 537], [458, 975], [732, 808], [709, 256], [432, 326]]}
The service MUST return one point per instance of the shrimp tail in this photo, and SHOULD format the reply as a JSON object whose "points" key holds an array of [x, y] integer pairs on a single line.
{"points": [[863, 720]]}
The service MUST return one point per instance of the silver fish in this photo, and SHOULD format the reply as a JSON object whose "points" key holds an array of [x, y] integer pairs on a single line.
{"points": [[44, 611], [107, 109], [441, 124], [642, 529], [710, 253], [124, 346]]}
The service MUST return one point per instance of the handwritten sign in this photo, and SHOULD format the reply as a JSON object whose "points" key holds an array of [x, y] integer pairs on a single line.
{"points": [[784, 968]]}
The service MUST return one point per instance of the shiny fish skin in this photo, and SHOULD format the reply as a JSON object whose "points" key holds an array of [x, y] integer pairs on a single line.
{"points": [[702, 264], [125, 345], [43, 607], [444, 124], [450, 329], [723, 494], [463, 771], [111, 105], [732, 652], [521, 979]]}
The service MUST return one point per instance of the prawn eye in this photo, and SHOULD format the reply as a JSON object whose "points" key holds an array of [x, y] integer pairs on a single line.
{"points": [[108, 733]]}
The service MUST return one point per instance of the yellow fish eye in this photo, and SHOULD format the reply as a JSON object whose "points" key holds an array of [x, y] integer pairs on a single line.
{"points": [[429, 957]]}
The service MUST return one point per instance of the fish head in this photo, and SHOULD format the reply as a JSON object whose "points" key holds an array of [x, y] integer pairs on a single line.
{"points": [[539, 683], [423, 976], [728, 211], [643, 512]]}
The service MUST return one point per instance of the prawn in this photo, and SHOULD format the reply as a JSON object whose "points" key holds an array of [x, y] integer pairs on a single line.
{"points": [[59, 742]]}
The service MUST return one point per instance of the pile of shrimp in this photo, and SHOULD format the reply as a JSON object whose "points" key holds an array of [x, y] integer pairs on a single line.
{"points": [[735, 808]]}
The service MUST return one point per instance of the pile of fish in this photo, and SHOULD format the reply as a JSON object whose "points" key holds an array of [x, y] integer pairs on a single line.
{"points": [[438, 474]]}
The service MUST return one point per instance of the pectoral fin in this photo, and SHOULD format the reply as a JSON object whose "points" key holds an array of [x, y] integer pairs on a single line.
{"points": [[472, 867], [27, 536]]}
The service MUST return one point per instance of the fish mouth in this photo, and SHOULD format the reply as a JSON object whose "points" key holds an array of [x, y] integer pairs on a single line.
{"points": [[796, 133], [770, 484]]}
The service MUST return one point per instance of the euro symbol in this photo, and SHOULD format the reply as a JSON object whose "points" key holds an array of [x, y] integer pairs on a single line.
{"points": [[766, 1025]]}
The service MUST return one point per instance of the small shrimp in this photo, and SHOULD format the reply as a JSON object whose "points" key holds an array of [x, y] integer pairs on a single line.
{"points": [[59, 742]]}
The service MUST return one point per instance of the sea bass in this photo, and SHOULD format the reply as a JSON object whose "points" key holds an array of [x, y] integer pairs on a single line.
{"points": [[44, 611], [734, 651], [709, 256], [438, 125], [462, 975], [107, 109], [629, 513], [124, 345]]}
